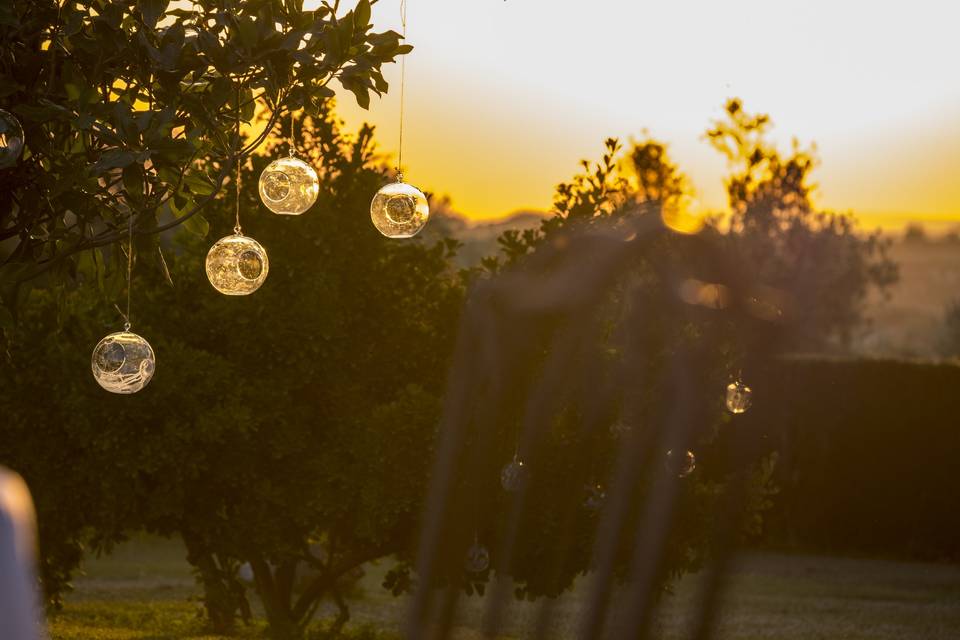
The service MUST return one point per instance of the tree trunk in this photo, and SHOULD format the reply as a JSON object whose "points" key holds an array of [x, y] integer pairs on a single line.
{"points": [[343, 613], [223, 597], [282, 622]]}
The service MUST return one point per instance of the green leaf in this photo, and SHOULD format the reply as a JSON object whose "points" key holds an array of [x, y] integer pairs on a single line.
{"points": [[114, 159], [151, 10], [199, 184], [247, 32], [133, 180], [197, 225], [361, 15]]}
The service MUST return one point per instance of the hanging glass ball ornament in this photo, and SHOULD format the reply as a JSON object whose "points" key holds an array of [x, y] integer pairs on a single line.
{"points": [[683, 465], [237, 265], [11, 138], [289, 186], [477, 559], [123, 362], [512, 474], [595, 497], [738, 397], [399, 210]]}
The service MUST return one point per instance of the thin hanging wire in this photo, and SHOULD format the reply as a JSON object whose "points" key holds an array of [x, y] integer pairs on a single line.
{"points": [[403, 84], [126, 318], [293, 135], [126, 323], [236, 229]]}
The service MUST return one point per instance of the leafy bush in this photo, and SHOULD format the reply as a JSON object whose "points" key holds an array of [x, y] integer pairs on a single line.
{"points": [[868, 453]]}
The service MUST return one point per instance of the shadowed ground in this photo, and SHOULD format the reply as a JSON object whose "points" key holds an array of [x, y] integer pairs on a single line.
{"points": [[145, 591]]}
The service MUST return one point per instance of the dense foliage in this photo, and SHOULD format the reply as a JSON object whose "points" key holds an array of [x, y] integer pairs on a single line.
{"points": [[572, 460], [290, 427], [294, 429], [868, 454], [819, 260], [818, 266], [130, 110]]}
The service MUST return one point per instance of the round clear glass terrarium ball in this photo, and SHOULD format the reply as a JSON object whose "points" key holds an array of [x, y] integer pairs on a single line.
{"points": [[123, 362], [399, 210], [289, 186], [682, 464], [11, 138], [237, 265], [477, 559], [738, 397]]}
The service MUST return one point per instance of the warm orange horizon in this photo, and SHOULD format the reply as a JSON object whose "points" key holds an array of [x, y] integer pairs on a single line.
{"points": [[503, 99]]}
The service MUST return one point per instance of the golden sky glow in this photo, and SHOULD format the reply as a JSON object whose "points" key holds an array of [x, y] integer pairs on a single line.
{"points": [[505, 97]]}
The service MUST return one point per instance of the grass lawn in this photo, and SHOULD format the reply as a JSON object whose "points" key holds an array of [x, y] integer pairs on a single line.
{"points": [[145, 591]]}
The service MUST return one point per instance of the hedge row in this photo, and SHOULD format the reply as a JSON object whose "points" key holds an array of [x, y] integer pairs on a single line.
{"points": [[869, 455]]}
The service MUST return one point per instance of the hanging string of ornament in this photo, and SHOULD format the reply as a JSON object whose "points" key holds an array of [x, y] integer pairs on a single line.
{"points": [[124, 362], [237, 265], [400, 210], [289, 186]]}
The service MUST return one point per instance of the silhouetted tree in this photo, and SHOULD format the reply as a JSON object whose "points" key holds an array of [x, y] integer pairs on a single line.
{"points": [[915, 233], [652, 177], [819, 260], [605, 194]]}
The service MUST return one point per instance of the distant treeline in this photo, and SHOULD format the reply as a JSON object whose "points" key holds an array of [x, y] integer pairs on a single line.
{"points": [[869, 456]]}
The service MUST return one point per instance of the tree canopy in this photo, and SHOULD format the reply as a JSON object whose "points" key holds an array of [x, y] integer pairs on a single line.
{"points": [[297, 418], [130, 110], [820, 261]]}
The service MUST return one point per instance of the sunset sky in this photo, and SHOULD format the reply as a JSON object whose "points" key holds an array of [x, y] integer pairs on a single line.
{"points": [[505, 97]]}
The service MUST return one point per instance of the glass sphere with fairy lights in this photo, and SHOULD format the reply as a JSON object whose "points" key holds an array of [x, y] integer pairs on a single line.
{"points": [[11, 138], [399, 210], [739, 397], [289, 186], [123, 362], [237, 265]]}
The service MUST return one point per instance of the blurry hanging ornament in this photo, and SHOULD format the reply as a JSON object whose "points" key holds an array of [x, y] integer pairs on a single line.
{"points": [[683, 465], [595, 497], [738, 397], [477, 559], [237, 265], [399, 210], [512, 474], [123, 362], [11, 138]]}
